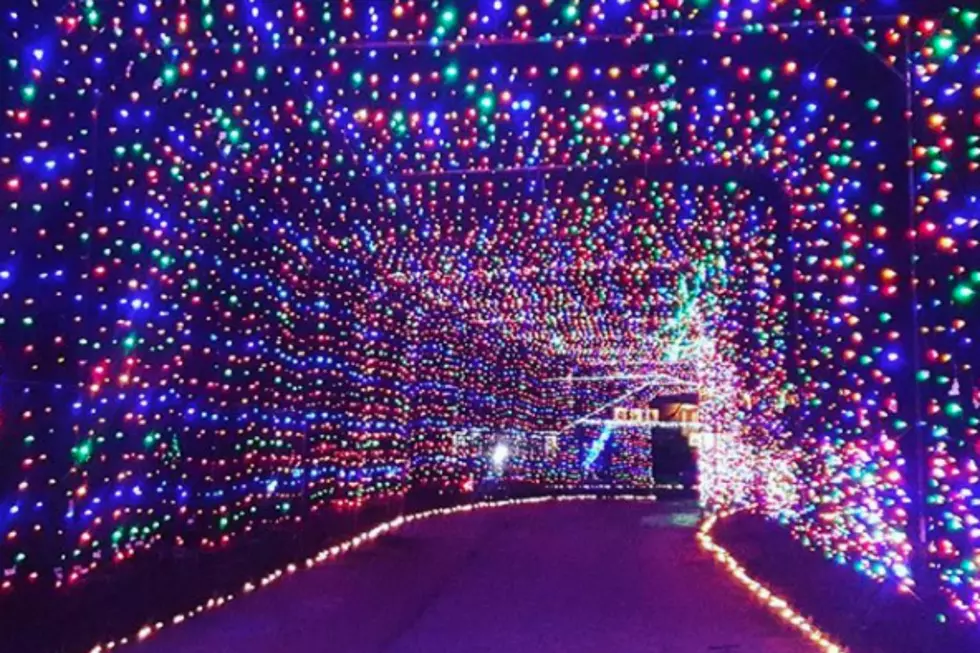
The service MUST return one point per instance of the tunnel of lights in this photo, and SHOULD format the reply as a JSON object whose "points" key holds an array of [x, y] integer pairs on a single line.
{"points": [[266, 259]]}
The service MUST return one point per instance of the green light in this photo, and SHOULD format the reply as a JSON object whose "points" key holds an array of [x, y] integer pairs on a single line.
{"points": [[570, 12], [944, 45], [953, 409], [82, 453], [963, 294], [487, 103], [448, 17], [169, 75]]}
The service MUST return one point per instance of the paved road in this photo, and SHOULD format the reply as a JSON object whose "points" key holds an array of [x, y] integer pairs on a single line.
{"points": [[608, 577]]}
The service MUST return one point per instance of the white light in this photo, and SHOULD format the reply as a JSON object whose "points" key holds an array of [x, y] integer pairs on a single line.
{"points": [[500, 453]]}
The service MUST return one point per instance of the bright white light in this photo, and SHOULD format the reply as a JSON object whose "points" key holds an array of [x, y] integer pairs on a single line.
{"points": [[500, 453]]}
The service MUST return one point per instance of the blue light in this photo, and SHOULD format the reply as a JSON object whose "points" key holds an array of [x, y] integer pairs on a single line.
{"points": [[597, 447]]}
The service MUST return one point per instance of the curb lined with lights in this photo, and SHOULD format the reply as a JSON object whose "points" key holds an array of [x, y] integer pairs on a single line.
{"points": [[340, 549], [777, 605]]}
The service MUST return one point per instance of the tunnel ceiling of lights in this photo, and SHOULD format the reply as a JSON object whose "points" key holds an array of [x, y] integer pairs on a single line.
{"points": [[267, 258]]}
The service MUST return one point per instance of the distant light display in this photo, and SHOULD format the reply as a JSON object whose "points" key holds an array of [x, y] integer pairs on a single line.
{"points": [[264, 258]]}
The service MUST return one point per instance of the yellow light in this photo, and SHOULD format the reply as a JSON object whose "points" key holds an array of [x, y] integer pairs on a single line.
{"points": [[779, 606], [350, 544]]}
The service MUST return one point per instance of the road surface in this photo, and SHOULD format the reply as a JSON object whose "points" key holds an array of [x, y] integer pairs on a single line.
{"points": [[582, 577]]}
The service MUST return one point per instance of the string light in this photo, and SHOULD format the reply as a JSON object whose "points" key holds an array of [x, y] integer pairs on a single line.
{"points": [[776, 604], [338, 550], [261, 261]]}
